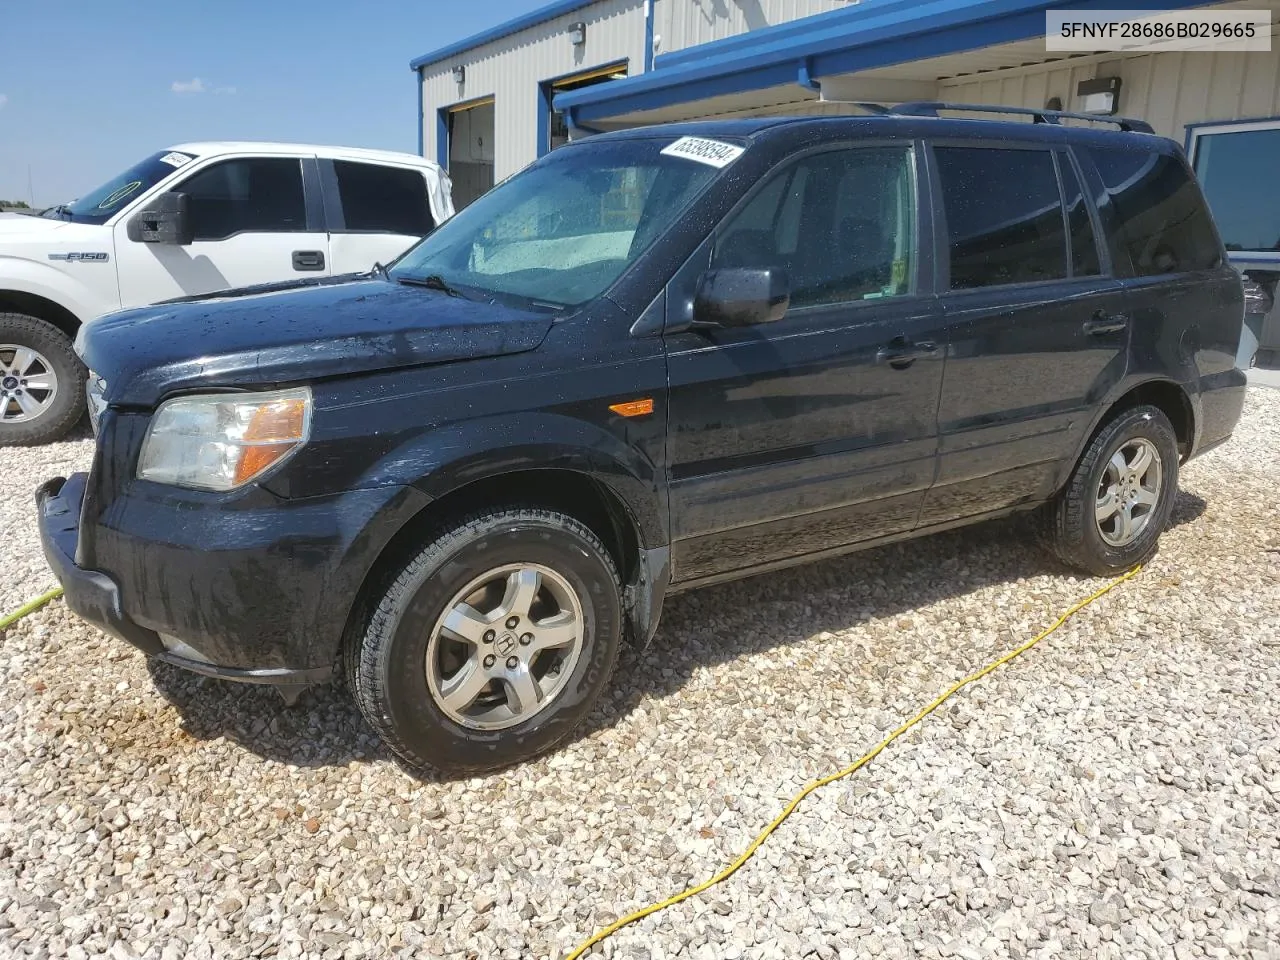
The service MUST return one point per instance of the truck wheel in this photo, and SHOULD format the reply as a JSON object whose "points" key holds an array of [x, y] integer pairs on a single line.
{"points": [[41, 381], [1118, 500], [492, 644]]}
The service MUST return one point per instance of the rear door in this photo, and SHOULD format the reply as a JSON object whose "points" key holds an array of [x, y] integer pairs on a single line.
{"points": [[255, 220], [1037, 326], [375, 211], [819, 430]]}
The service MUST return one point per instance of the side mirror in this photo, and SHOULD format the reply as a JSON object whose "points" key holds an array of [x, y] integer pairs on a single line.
{"points": [[166, 219], [741, 297]]}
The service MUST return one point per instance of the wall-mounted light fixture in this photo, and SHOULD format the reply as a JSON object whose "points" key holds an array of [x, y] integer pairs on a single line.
{"points": [[577, 33], [459, 74], [1053, 103], [1101, 95]]}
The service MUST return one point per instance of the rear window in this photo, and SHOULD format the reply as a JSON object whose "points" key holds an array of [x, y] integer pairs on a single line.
{"points": [[1162, 223], [1004, 216], [381, 199]]}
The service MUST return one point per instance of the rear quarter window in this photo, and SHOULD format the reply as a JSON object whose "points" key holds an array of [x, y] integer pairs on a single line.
{"points": [[1160, 224]]}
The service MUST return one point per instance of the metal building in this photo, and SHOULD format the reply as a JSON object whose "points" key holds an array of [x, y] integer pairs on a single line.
{"points": [[495, 102]]}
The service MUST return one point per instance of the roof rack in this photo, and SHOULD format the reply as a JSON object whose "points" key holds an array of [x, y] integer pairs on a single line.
{"points": [[930, 108]]}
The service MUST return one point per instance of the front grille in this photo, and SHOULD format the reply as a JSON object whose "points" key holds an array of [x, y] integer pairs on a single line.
{"points": [[94, 390]]}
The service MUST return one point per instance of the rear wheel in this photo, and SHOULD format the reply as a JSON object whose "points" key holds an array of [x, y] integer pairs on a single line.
{"points": [[41, 381], [492, 644], [1118, 500]]}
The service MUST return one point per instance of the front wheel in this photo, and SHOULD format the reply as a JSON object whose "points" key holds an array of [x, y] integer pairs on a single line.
{"points": [[1111, 513], [492, 644], [41, 381]]}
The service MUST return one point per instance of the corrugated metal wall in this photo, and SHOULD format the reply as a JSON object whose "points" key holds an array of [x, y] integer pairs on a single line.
{"points": [[510, 69], [678, 24], [1168, 90]]}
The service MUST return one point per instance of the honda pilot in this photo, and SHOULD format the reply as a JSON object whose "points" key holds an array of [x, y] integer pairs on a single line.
{"points": [[653, 360]]}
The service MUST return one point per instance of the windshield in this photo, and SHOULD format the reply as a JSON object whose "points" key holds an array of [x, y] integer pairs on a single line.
{"points": [[99, 205], [560, 233]]}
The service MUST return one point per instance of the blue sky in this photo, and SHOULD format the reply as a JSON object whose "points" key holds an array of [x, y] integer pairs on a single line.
{"points": [[86, 88]]}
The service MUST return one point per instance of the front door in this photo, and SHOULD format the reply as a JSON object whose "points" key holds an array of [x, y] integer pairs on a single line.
{"points": [[251, 226], [820, 430], [1038, 331]]}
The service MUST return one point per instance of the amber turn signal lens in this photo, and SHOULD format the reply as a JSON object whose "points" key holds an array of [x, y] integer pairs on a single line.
{"points": [[633, 408], [273, 431]]}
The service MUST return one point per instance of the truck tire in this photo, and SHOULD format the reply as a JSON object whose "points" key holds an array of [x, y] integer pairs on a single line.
{"points": [[41, 381], [492, 644], [1111, 513]]}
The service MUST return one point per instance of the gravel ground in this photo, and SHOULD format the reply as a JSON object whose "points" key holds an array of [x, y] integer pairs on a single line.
{"points": [[1114, 793]]}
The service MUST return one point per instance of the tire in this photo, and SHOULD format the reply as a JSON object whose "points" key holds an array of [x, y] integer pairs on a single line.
{"points": [[406, 664], [50, 360], [1073, 525]]}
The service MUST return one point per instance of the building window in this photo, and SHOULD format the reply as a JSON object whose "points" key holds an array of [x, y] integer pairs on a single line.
{"points": [[1004, 216], [1234, 163]]}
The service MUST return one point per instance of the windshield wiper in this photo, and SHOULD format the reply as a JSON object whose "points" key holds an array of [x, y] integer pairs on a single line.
{"points": [[62, 211], [432, 282], [379, 271]]}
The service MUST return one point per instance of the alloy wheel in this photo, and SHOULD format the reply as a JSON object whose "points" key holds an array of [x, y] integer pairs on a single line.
{"points": [[1129, 492]]}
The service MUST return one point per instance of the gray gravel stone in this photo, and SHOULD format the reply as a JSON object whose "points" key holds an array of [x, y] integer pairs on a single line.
{"points": [[1114, 793]]}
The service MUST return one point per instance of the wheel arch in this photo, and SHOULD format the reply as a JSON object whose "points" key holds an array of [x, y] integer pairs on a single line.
{"points": [[578, 493], [42, 308]]}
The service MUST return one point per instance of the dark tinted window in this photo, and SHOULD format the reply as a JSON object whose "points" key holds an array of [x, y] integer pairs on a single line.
{"points": [[381, 199], [841, 224], [1163, 225], [259, 195], [1084, 244], [1231, 167], [1004, 216]]}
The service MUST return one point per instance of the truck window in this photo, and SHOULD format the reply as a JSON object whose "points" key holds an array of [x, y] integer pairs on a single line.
{"points": [[1162, 224], [382, 199], [1004, 216], [841, 223], [250, 195]]}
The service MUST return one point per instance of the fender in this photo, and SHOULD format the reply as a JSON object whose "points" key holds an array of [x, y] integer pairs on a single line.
{"points": [[20, 275], [444, 459]]}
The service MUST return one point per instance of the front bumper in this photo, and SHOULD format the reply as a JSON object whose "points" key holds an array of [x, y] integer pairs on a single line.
{"points": [[96, 597]]}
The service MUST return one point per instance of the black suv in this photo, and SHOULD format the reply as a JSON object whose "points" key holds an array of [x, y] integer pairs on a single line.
{"points": [[653, 360]]}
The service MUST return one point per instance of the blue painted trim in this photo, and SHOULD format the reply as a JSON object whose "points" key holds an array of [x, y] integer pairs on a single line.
{"points": [[805, 77], [842, 41], [544, 117], [422, 144], [648, 33], [531, 19], [442, 137]]}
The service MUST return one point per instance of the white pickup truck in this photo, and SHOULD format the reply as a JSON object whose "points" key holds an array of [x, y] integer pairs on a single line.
{"points": [[190, 220]]}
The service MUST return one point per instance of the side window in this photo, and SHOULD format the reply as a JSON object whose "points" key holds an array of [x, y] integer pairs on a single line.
{"points": [[840, 223], [379, 199], [1084, 243], [1004, 216], [1163, 225], [253, 195]]}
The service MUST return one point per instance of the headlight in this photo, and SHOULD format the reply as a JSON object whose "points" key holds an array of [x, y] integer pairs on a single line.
{"points": [[222, 441]]}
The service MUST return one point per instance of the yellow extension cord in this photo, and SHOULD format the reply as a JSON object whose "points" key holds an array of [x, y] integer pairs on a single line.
{"points": [[790, 808], [32, 605]]}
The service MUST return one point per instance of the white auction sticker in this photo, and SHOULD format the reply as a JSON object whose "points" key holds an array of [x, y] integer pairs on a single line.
{"points": [[1087, 31], [175, 159], [711, 152]]}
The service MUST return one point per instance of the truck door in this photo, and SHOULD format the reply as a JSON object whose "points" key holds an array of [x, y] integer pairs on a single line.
{"points": [[254, 220]]}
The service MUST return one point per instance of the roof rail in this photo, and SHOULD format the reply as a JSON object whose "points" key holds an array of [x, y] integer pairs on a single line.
{"points": [[930, 108]]}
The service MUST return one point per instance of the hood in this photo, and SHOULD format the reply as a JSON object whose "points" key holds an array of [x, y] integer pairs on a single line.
{"points": [[261, 337], [12, 224]]}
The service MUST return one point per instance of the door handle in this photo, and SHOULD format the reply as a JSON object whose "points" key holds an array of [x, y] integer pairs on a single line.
{"points": [[901, 353], [1103, 323], [308, 260]]}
